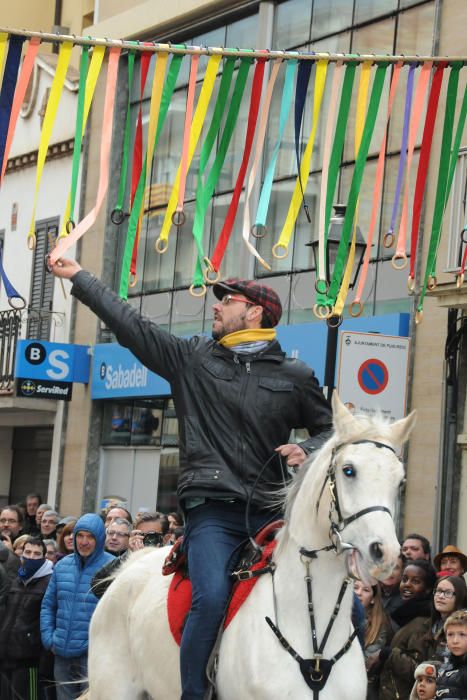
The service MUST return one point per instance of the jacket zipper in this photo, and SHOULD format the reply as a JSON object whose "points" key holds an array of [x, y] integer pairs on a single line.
{"points": [[241, 446]]}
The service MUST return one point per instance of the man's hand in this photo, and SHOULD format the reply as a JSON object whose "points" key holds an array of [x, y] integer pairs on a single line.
{"points": [[64, 267], [294, 454]]}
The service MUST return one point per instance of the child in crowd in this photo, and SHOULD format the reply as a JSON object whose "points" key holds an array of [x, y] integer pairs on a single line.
{"points": [[452, 679], [425, 682]]}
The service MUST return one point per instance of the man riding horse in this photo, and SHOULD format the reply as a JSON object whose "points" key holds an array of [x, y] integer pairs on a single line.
{"points": [[237, 398]]}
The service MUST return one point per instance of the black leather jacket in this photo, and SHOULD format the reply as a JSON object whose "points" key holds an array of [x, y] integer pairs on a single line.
{"points": [[233, 410]]}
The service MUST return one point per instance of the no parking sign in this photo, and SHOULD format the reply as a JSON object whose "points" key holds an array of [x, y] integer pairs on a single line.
{"points": [[373, 372]]}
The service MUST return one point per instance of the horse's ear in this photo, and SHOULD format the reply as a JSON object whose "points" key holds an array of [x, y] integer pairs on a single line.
{"points": [[401, 429], [345, 423]]}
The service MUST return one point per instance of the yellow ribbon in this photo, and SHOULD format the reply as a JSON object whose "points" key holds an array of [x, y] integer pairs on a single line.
{"points": [[197, 125], [91, 80], [156, 94], [248, 335], [359, 126], [47, 126], [294, 208], [3, 41]]}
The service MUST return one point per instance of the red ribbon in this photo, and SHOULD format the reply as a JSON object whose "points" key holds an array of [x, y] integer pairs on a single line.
{"points": [[138, 149], [250, 132], [423, 162]]}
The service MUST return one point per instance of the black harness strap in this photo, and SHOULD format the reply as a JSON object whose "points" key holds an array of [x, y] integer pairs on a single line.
{"points": [[315, 671]]}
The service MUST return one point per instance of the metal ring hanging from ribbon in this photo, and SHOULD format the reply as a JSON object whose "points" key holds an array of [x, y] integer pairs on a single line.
{"points": [[356, 309], [118, 216], [402, 257], [201, 293], [161, 245], [258, 230], [334, 324]]}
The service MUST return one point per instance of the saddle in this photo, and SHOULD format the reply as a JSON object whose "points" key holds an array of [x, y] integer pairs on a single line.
{"points": [[254, 561]]}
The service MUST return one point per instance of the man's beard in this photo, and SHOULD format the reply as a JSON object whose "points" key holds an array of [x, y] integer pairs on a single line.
{"points": [[237, 324]]}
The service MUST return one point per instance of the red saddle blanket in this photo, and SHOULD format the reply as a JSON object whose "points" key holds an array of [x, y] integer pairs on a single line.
{"points": [[179, 596]]}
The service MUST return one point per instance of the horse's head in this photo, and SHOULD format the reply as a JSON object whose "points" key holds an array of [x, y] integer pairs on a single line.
{"points": [[351, 489]]}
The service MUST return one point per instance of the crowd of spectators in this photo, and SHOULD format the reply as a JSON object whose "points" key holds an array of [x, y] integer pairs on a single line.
{"points": [[54, 569], [416, 625]]}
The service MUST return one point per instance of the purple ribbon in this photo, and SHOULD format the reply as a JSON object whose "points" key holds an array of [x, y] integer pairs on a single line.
{"points": [[405, 138]]}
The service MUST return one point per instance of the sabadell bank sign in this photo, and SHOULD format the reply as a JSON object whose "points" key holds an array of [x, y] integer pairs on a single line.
{"points": [[116, 373]]}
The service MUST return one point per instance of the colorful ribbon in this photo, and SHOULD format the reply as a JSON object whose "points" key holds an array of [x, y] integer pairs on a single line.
{"points": [[204, 193], [321, 282], [442, 192], [418, 105], [18, 99], [355, 185], [302, 179], [257, 160], [10, 76], [47, 126], [334, 163], [138, 155], [106, 138], [389, 238], [178, 217], [117, 214], [159, 115], [3, 45], [265, 196], [423, 162], [356, 306], [303, 78], [255, 100], [359, 125], [87, 85], [198, 120], [15, 300]]}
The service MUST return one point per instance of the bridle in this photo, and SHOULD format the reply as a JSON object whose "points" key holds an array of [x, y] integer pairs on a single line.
{"points": [[316, 670], [336, 527]]}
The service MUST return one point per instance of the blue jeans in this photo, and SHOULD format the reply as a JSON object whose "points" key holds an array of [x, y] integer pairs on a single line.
{"points": [[67, 672], [213, 533]]}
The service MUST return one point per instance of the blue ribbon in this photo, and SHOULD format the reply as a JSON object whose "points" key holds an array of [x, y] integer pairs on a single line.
{"points": [[10, 77], [10, 290], [286, 103]]}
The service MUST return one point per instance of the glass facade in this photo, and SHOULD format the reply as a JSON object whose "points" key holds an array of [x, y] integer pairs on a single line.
{"points": [[163, 281]]}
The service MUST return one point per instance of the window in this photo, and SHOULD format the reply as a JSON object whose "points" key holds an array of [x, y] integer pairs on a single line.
{"points": [[456, 217], [42, 283]]}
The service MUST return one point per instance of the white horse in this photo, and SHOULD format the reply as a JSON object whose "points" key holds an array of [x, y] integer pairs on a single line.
{"points": [[338, 519]]}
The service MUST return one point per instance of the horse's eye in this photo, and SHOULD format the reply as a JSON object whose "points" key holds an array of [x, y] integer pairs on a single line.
{"points": [[349, 470]]}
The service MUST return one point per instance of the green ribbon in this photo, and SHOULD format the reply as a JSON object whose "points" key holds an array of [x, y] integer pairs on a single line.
{"points": [[126, 137], [336, 154], [342, 251], [83, 71], [201, 204], [167, 92], [447, 164], [204, 194]]}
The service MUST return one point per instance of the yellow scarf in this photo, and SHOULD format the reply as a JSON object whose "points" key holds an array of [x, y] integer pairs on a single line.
{"points": [[248, 335]]}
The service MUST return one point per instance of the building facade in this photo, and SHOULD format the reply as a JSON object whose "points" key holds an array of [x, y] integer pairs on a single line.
{"points": [[130, 451]]}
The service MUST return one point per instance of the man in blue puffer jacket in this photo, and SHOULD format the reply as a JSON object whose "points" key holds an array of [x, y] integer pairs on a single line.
{"points": [[68, 605]]}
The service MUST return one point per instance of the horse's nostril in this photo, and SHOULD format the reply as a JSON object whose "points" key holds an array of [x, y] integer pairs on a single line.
{"points": [[376, 551]]}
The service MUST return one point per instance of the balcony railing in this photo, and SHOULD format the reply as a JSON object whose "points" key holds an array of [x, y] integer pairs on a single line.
{"points": [[27, 323]]}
